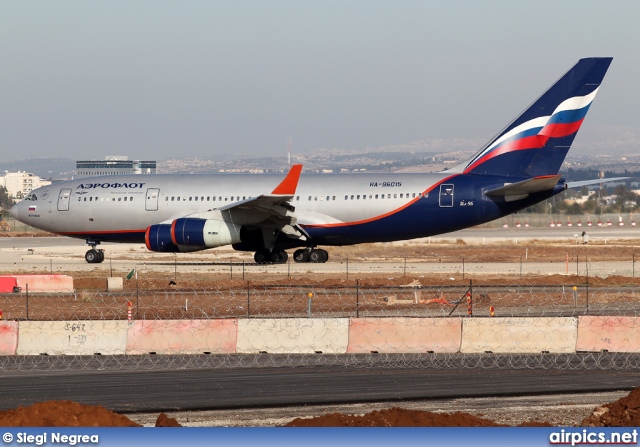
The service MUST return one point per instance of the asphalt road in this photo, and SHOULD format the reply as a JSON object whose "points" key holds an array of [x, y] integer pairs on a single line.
{"points": [[262, 386]]}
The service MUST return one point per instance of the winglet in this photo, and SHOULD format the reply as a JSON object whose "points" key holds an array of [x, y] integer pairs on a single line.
{"points": [[290, 183]]}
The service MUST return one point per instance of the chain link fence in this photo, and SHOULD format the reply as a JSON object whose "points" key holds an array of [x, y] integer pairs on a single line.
{"points": [[314, 301]]}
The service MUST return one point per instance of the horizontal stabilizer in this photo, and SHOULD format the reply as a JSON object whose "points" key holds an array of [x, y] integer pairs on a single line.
{"points": [[521, 190], [582, 183]]}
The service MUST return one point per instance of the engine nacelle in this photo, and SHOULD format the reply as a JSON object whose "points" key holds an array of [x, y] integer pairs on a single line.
{"points": [[158, 238], [209, 233]]}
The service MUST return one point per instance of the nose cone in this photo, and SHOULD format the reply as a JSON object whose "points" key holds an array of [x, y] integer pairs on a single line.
{"points": [[14, 212]]}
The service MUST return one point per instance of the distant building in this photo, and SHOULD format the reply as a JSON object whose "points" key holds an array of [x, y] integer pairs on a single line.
{"points": [[114, 165], [21, 183]]}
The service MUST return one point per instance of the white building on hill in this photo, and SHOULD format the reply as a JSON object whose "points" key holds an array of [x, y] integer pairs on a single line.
{"points": [[21, 183]]}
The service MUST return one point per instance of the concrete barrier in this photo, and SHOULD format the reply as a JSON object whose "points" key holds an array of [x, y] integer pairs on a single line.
{"points": [[613, 334], [405, 335], [7, 283], [45, 283], [8, 337], [115, 284], [72, 337], [293, 335], [519, 335], [182, 336]]}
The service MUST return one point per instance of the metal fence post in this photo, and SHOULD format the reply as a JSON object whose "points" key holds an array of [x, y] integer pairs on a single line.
{"points": [[248, 300], [357, 298]]}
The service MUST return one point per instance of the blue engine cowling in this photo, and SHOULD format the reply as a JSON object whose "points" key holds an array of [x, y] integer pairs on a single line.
{"points": [[207, 233], [158, 238]]}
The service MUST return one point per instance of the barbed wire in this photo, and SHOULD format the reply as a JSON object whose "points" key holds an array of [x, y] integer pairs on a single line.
{"points": [[448, 326]]}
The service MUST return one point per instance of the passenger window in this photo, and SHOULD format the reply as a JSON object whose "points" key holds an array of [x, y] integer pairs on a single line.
{"points": [[376, 196], [79, 199], [119, 199], [166, 199], [346, 197], [172, 198], [196, 198], [214, 198], [351, 196], [189, 198], [315, 198], [309, 198], [208, 197], [334, 198], [401, 195]]}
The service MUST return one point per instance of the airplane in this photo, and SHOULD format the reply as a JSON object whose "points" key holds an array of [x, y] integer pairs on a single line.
{"points": [[268, 214]]}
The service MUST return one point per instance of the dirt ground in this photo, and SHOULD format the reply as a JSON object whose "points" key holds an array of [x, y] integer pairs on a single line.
{"points": [[624, 412]]}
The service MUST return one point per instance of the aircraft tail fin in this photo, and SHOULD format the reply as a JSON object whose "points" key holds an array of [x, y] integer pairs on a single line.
{"points": [[536, 142]]}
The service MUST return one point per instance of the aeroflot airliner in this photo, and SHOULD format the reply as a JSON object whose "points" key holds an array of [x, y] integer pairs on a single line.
{"points": [[268, 215]]}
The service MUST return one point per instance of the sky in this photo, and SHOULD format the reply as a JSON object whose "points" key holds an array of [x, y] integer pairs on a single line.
{"points": [[176, 79]]}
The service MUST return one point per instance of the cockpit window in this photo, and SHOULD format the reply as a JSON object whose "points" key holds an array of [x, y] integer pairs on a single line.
{"points": [[31, 197]]}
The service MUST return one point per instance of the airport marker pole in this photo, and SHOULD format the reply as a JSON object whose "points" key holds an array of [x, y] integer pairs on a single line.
{"points": [[248, 300]]}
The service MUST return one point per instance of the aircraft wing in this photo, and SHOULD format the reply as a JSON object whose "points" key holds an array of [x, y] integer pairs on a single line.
{"points": [[582, 183], [267, 210]]}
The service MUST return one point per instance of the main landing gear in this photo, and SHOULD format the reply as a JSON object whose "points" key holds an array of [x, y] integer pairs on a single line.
{"points": [[95, 255], [271, 257], [315, 255]]}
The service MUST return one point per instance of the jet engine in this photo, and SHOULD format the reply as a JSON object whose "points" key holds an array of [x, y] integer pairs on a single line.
{"points": [[158, 238], [209, 233]]}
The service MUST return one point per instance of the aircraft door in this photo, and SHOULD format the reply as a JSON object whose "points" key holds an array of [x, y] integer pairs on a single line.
{"points": [[63, 199], [151, 200], [446, 195]]}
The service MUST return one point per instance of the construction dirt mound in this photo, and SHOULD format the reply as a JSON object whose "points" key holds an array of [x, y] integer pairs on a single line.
{"points": [[400, 417], [64, 413], [624, 412]]}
